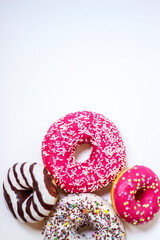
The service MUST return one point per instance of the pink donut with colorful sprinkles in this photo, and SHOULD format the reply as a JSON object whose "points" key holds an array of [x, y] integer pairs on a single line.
{"points": [[135, 195], [106, 161]]}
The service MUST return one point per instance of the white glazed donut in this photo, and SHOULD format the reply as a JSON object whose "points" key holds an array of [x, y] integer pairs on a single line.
{"points": [[75, 211], [30, 191]]}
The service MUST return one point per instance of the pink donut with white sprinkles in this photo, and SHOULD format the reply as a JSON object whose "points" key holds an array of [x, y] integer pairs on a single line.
{"points": [[106, 161], [135, 195]]}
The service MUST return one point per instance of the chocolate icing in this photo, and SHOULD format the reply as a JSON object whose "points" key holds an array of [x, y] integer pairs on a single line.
{"points": [[23, 175], [16, 176], [8, 201], [21, 196], [48, 180]]}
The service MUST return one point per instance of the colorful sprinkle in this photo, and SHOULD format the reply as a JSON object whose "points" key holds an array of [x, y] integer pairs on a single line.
{"points": [[66, 224], [85, 211], [106, 211]]}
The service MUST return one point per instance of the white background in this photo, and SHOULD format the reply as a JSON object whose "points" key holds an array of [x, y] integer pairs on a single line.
{"points": [[58, 57]]}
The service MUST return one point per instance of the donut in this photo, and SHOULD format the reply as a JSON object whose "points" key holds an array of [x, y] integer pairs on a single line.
{"points": [[30, 191], [107, 159], [77, 210], [135, 195]]}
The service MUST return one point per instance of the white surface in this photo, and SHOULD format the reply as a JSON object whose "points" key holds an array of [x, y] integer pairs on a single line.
{"points": [[59, 57]]}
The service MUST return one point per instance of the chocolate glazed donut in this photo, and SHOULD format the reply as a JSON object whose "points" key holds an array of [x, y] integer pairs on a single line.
{"points": [[30, 191]]}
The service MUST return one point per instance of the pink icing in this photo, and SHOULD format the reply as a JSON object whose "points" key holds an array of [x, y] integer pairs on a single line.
{"points": [[137, 195], [107, 158]]}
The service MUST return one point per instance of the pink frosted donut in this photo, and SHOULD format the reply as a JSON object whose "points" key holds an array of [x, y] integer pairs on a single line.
{"points": [[107, 158], [135, 195]]}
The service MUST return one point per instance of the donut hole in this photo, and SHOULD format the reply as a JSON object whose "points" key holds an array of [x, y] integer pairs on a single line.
{"points": [[24, 194], [83, 152], [139, 194], [85, 231]]}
